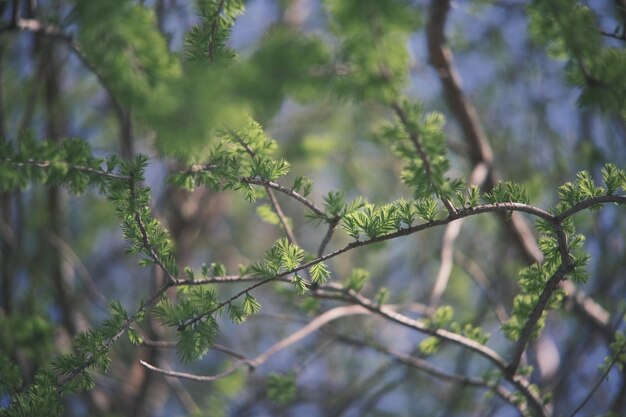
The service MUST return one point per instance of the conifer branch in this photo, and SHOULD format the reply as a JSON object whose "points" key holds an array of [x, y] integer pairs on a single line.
{"points": [[537, 312], [480, 152], [145, 306], [462, 213], [270, 193], [518, 381], [148, 247], [415, 140], [49, 164], [298, 197], [590, 202], [318, 322]]}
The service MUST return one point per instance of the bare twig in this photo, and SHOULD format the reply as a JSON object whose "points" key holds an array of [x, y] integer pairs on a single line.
{"points": [[479, 277], [271, 184], [186, 375], [597, 384], [284, 221], [522, 384], [447, 261], [329, 234], [314, 325], [426, 367]]}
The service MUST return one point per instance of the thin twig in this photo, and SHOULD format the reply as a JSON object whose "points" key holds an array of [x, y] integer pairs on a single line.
{"points": [[619, 199], [522, 384], [535, 315], [186, 375], [621, 37], [279, 211], [424, 366], [415, 140], [172, 344], [48, 164], [597, 384], [284, 221], [146, 241], [315, 324], [479, 277], [329, 234], [271, 184], [462, 213], [122, 329], [447, 261]]}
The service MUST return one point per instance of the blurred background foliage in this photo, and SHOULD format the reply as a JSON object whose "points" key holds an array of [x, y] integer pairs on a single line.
{"points": [[161, 77]]}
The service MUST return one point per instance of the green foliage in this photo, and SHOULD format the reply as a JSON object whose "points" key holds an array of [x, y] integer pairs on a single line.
{"points": [[302, 185], [382, 296], [11, 375], [250, 305], [283, 256], [143, 233], [193, 318], [31, 333], [207, 40], [569, 31], [120, 40], [429, 346], [303, 72], [508, 192], [618, 353], [571, 194], [336, 207], [419, 140], [300, 286], [469, 197], [472, 332], [69, 162], [613, 177], [566, 28], [356, 279], [371, 220], [442, 316], [267, 214], [427, 209], [374, 34], [38, 399], [281, 388], [319, 273], [240, 156]]}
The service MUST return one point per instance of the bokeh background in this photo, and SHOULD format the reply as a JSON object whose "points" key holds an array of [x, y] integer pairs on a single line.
{"points": [[63, 257]]}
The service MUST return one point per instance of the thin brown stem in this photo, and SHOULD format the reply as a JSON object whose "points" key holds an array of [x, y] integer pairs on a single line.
{"points": [[415, 140], [298, 197]]}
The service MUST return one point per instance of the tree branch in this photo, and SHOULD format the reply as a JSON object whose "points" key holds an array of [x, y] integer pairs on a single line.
{"points": [[480, 151], [415, 140], [48, 164], [266, 183], [426, 367], [144, 235]]}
